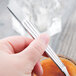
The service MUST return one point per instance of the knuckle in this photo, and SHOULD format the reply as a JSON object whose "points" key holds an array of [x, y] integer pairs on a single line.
{"points": [[39, 46]]}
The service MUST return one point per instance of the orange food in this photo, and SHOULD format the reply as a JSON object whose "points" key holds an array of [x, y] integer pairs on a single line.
{"points": [[50, 68]]}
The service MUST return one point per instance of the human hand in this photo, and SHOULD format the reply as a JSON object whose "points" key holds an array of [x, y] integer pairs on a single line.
{"points": [[19, 56]]}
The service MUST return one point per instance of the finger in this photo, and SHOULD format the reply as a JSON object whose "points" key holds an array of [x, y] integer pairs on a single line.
{"points": [[38, 69], [35, 50], [16, 43]]}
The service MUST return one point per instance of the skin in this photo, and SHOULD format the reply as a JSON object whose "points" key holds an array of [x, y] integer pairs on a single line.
{"points": [[20, 56]]}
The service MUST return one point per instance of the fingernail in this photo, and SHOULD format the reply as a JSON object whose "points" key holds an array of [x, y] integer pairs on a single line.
{"points": [[41, 70], [45, 38]]}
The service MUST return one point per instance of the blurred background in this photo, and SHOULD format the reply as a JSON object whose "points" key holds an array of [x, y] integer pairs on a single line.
{"points": [[64, 43], [5, 20]]}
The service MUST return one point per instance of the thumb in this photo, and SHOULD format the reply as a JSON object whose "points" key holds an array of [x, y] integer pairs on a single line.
{"points": [[35, 50]]}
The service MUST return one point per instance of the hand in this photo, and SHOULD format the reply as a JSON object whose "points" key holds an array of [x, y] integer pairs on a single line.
{"points": [[19, 56]]}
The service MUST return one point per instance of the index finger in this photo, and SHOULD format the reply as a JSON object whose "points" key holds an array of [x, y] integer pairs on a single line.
{"points": [[17, 43]]}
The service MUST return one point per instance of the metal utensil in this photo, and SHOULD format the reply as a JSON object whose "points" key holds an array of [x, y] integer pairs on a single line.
{"points": [[15, 9]]}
